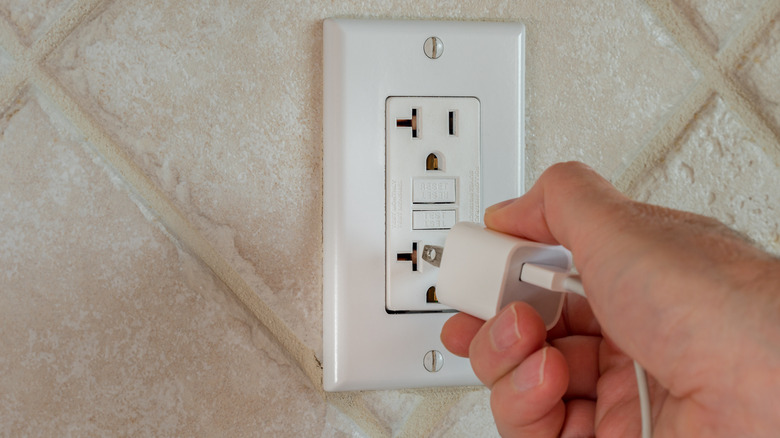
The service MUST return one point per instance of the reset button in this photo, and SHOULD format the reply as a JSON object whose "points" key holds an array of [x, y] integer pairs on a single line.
{"points": [[433, 191]]}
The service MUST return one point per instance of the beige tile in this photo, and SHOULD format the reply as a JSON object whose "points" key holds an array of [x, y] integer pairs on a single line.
{"points": [[6, 61], [111, 329], [32, 18], [216, 105], [760, 71], [220, 105], [470, 417], [601, 78], [392, 408], [718, 20], [718, 170], [339, 426]]}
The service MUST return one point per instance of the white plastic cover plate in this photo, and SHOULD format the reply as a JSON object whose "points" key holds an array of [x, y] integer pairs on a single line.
{"points": [[365, 62]]}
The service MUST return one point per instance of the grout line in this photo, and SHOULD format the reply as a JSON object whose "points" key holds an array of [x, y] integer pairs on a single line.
{"points": [[733, 58], [689, 39], [715, 73], [436, 404], [175, 221], [695, 20], [12, 85], [666, 138], [685, 33], [717, 76], [353, 405], [15, 80], [739, 101], [750, 35], [78, 13], [27, 58]]}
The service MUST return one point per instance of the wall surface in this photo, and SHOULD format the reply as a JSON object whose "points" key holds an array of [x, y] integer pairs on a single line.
{"points": [[160, 192]]}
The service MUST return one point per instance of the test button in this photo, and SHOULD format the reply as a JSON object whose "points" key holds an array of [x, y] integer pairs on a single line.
{"points": [[433, 219]]}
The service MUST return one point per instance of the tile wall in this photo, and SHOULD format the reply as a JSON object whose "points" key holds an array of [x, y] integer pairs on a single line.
{"points": [[160, 192]]}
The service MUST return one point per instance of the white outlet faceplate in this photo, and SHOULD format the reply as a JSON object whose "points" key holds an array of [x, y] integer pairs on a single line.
{"points": [[377, 334]]}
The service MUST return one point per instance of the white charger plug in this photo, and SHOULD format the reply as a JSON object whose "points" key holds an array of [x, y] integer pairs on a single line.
{"points": [[481, 268]]}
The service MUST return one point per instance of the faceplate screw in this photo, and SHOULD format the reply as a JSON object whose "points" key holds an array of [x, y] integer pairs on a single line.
{"points": [[433, 361], [433, 47]]}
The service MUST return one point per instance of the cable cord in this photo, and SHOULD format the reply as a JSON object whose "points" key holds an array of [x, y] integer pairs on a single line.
{"points": [[564, 281], [644, 400]]}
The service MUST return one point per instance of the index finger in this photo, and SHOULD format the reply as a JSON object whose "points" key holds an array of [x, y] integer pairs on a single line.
{"points": [[568, 200]]}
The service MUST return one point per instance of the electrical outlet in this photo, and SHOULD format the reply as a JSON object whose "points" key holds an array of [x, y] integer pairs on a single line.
{"points": [[422, 127], [433, 172]]}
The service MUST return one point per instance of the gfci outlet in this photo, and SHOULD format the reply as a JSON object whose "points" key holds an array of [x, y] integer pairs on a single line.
{"points": [[432, 181], [422, 128]]}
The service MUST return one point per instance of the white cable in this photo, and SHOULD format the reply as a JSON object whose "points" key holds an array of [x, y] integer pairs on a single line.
{"points": [[560, 280], [644, 400]]}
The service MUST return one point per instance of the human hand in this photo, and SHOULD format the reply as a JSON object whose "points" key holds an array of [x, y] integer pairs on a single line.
{"points": [[691, 300]]}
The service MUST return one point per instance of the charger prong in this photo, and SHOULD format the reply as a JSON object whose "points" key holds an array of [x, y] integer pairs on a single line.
{"points": [[432, 254]]}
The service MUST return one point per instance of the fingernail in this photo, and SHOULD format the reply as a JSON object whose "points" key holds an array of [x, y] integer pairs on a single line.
{"points": [[530, 373], [504, 332]]}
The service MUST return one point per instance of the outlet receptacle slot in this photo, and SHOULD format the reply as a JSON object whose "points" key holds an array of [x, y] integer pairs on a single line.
{"points": [[413, 122], [432, 162], [430, 295], [409, 256], [453, 122]]}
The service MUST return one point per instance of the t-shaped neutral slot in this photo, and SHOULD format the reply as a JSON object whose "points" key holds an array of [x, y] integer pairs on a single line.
{"points": [[409, 256], [413, 123]]}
